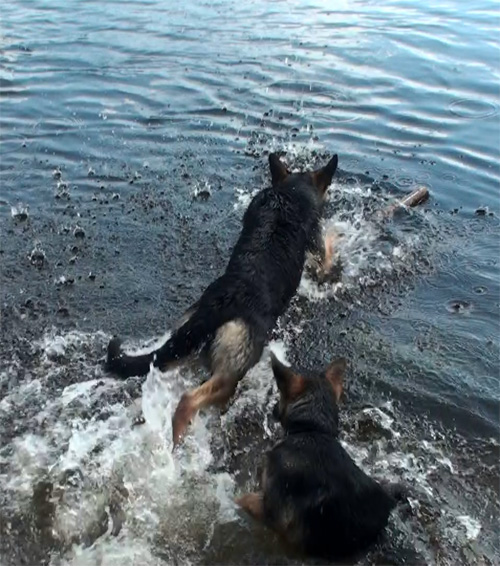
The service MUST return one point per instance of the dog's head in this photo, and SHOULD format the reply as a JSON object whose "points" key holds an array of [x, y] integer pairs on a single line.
{"points": [[309, 403], [319, 179]]}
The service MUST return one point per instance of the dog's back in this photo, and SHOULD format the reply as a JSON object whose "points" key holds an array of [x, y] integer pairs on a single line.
{"points": [[319, 500], [266, 264]]}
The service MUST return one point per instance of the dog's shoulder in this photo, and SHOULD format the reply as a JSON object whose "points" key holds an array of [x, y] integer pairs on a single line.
{"points": [[319, 463], [341, 509]]}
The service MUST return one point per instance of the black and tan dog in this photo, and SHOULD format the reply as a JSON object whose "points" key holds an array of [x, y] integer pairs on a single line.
{"points": [[313, 494], [228, 327]]}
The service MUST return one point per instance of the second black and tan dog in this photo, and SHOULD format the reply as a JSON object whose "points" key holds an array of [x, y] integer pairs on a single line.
{"points": [[228, 327], [312, 492]]}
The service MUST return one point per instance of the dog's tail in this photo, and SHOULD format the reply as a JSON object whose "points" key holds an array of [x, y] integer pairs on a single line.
{"points": [[186, 340]]}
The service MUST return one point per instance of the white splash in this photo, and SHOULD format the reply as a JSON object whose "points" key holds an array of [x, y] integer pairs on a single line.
{"points": [[111, 551], [19, 212], [244, 197], [472, 526], [202, 190]]}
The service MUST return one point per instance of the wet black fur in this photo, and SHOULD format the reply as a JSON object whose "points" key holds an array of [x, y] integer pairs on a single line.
{"points": [[313, 492], [263, 273]]}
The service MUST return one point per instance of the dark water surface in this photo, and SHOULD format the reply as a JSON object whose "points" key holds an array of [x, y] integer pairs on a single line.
{"points": [[133, 135]]}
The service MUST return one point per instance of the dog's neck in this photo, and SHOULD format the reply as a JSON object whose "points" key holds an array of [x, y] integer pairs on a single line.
{"points": [[302, 419], [309, 427]]}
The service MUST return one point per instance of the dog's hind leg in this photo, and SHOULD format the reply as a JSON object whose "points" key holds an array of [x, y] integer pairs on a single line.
{"points": [[234, 350], [216, 391], [253, 504]]}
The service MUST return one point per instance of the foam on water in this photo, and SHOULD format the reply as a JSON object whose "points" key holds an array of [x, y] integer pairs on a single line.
{"points": [[298, 157], [90, 453], [202, 190], [111, 551], [91, 442], [19, 212], [472, 526], [243, 198], [31, 455]]}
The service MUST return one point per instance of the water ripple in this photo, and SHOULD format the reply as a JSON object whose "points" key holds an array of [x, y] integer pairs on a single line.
{"points": [[473, 109]]}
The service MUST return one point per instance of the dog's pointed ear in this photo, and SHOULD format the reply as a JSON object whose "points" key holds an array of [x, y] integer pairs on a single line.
{"points": [[323, 177], [290, 384], [279, 172], [335, 375]]}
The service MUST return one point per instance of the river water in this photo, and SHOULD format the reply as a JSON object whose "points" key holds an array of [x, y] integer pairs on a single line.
{"points": [[133, 135]]}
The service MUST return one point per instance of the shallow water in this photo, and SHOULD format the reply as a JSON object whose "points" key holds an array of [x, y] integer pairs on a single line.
{"points": [[133, 136]]}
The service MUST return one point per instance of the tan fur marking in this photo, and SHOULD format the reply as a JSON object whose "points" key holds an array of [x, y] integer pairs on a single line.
{"points": [[216, 391], [231, 348], [335, 375], [231, 352], [296, 387], [253, 504], [330, 240]]}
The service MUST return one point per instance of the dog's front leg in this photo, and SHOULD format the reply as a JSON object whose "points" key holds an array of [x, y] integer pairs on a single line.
{"points": [[322, 256], [253, 504], [329, 241]]}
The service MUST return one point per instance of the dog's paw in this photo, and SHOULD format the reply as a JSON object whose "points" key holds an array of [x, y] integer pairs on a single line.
{"points": [[114, 351]]}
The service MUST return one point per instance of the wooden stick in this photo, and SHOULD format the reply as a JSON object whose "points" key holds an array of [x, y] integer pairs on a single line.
{"points": [[416, 197]]}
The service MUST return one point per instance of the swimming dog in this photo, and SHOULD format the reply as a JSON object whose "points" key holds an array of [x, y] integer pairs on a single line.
{"points": [[313, 494], [228, 327]]}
